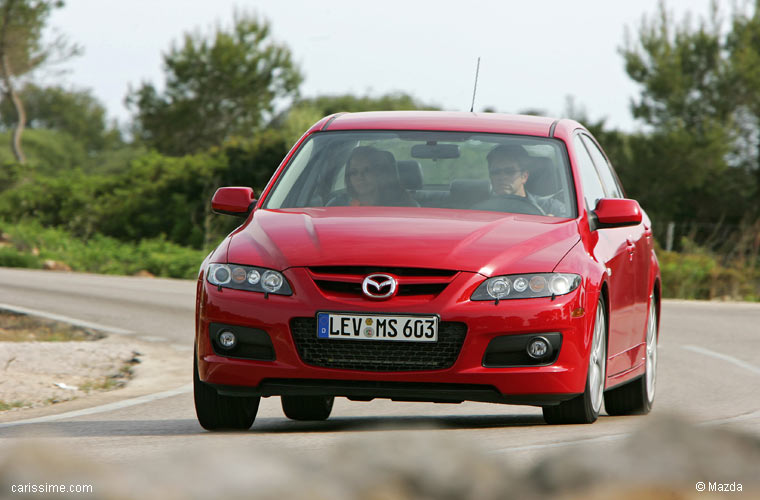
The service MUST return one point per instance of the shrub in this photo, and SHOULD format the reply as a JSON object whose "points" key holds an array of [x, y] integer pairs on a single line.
{"points": [[97, 254]]}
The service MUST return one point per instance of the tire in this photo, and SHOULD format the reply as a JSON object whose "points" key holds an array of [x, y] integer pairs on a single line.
{"points": [[308, 408], [585, 408], [217, 412], [637, 396]]}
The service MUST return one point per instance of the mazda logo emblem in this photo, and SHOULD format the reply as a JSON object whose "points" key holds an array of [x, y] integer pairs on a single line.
{"points": [[379, 286]]}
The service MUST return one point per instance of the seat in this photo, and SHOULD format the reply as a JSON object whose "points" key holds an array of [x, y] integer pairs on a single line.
{"points": [[410, 174], [463, 193], [542, 178]]}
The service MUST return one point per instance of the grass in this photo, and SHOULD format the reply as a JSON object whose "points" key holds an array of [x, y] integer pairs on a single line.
{"points": [[699, 274], [114, 381], [9, 406], [22, 328]]}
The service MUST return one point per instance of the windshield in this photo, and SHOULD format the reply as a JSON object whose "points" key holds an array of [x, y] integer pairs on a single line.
{"points": [[449, 170]]}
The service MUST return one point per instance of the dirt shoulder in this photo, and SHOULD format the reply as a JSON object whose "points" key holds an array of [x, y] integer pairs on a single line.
{"points": [[45, 363]]}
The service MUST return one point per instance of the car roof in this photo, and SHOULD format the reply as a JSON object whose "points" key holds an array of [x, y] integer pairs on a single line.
{"points": [[439, 120]]}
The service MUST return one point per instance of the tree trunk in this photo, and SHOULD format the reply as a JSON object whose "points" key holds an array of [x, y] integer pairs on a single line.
{"points": [[10, 92]]}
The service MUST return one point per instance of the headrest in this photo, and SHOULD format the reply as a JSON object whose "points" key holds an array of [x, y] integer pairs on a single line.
{"points": [[465, 192], [387, 163], [410, 174], [542, 180]]}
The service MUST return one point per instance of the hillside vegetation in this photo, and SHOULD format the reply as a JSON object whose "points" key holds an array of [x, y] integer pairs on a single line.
{"points": [[97, 196]]}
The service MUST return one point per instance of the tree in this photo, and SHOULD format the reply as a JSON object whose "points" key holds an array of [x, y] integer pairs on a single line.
{"points": [[329, 104], [75, 112], [681, 69], [216, 88], [692, 160], [743, 46], [305, 112], [23, 50]]}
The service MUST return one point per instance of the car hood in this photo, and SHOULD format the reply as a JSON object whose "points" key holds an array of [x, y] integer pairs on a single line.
{"points": [[464, 240]]}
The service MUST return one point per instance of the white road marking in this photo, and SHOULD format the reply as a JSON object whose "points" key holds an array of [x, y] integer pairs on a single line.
{"points": [[118, 405], [728, 420], [614, 437], [66, 319], [725, 357], [611, 437], [152, 338], [701, 350], [96, 409]]}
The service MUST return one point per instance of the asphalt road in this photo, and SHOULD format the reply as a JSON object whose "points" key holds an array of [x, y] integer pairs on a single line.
{"points": [[709, 372]]}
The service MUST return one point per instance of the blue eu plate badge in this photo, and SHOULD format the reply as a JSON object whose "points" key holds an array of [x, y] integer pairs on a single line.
{"points": [[323, 326]]}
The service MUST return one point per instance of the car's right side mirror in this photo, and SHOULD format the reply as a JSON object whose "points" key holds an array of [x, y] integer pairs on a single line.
{"points": [[236, 201], [616, 212]]}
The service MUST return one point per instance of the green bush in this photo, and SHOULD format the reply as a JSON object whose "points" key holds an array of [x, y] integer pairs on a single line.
{"points": [[97, 254], [696, 273], [11, 257]]}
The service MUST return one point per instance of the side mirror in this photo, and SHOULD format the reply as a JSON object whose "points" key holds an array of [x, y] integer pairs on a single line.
{"points": [[616, 212], [236, 201]]}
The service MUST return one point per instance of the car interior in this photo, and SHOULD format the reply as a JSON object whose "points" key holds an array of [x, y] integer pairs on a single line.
{"points": [[435, 175]]}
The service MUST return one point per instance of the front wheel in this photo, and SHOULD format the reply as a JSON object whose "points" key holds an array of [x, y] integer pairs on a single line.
{"points": [[585, 409], [216, 412], [637, 397]]}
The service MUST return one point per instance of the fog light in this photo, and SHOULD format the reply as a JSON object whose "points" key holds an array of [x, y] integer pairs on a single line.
{"points": [[539, 348], [227, 339]]}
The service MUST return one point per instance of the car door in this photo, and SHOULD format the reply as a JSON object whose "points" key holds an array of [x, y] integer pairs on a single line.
{"points": [[612, 250], [638, 241]]}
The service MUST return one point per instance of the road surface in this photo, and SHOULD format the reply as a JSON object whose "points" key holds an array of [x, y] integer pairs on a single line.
{"points": [[709, 372]]}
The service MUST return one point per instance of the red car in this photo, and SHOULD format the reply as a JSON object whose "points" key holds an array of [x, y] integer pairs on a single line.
{"points": [[431, 256]]}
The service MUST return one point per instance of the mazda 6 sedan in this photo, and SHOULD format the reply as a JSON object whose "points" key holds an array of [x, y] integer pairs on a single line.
{"points": [[434, 257]]}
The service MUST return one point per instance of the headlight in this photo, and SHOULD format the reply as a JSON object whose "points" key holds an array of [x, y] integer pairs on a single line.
{"points": [[250, 278], [524, 286]]}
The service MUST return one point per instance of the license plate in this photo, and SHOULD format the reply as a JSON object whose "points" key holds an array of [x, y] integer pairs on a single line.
{"points": [[390, 328]]}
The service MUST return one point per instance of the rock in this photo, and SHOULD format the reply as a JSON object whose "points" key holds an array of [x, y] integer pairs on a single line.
{"points": [[666, 450], [663, 460], [54, 265]]}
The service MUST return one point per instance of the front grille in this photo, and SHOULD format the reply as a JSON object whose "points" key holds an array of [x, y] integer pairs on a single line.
{"points": [[338, 288], [381, 356], [346, 281], [365, 270]]}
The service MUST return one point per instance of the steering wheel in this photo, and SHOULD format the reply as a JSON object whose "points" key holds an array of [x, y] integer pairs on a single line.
{"points": [[509, 203]]}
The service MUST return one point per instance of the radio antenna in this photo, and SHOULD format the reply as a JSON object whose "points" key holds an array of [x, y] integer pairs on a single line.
{"points": [[477, 70]]}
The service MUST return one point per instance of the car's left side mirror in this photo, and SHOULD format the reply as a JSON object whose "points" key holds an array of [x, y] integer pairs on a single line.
{"points": [[616, 212], [236, 201]]}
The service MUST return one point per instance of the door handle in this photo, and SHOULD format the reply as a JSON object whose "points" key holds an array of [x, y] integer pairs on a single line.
{"points": [[631, 248]]}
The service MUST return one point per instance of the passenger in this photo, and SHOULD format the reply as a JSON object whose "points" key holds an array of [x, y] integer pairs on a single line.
{"points": [[508, 169], [371, 180]]}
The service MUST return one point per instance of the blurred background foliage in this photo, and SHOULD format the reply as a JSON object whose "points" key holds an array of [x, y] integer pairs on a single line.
{"points": [[123, 198]]}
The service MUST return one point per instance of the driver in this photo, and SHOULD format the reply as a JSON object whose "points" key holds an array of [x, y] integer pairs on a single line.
{"points": [[508, 169]]}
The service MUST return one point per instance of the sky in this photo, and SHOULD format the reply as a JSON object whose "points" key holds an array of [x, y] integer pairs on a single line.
{"points": [[534, 54]]}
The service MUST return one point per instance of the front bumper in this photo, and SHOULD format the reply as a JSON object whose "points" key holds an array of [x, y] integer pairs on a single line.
{"points": [[466, 379]]}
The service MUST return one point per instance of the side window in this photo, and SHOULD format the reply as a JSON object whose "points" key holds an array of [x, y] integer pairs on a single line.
{"points": [[608, 178], [592, 185]]}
